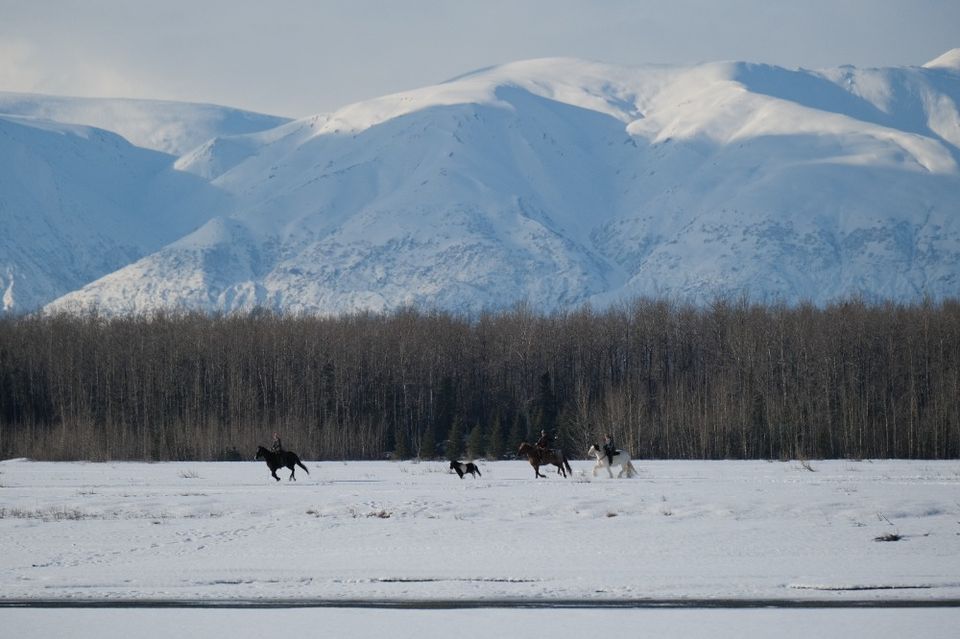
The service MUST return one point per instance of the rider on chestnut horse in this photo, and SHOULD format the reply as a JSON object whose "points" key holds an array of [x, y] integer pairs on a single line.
{"points": [[544, 442]]}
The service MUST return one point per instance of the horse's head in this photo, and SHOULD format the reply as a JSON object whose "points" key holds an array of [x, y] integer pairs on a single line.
{"points": [[593, 449], [528, 449], [261, 452]]}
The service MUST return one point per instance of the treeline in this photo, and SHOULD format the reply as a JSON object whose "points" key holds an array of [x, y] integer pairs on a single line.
{"points": [[731, 380]]}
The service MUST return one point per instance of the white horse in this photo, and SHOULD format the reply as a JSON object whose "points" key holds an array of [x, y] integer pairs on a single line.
{"points": [[621, 459]]}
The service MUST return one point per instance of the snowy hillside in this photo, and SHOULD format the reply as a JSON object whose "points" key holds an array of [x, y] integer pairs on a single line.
{"points": [[561, 182], [78, 203], [171, 127]]}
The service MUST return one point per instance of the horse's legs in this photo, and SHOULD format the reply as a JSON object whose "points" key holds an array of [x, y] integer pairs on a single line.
{"points": [[536, 471], [273, 471], [595, 467], [609, 472], [292, 472]]}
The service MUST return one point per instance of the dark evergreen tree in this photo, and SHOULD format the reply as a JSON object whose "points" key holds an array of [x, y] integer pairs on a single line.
{"points": [[519, 432], [428, 444], [495, 443], [454, 444], [476, 442]]}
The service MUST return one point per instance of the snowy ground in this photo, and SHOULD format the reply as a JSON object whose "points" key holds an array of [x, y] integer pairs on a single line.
{"points": [[416, 532]]}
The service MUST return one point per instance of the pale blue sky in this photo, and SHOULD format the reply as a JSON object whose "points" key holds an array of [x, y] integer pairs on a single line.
{"points": [[299, 57]]}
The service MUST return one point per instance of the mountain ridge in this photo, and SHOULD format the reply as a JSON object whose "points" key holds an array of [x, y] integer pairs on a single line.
{"points": [[159, 125], [562, 182]]}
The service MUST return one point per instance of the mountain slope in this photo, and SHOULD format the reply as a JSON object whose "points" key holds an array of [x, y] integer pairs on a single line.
{"points": [[561, 182], [78, 203]]}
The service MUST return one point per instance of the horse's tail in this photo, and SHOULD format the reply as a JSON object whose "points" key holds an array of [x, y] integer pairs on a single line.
{"points": [[302, 466], [567, 464]]}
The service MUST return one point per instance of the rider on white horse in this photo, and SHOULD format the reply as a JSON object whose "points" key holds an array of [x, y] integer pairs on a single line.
{"points": [[609, 448], [608, 456]]}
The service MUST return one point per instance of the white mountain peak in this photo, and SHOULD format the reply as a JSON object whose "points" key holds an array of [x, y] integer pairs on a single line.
{"points": [[948, 60], [560, 181]]}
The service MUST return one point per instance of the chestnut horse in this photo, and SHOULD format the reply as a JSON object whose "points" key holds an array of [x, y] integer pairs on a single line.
{"points": [[541, 457]]}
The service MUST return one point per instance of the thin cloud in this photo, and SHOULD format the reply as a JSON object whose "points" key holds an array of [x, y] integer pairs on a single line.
{"points": [[296, 57], [25, 68]]}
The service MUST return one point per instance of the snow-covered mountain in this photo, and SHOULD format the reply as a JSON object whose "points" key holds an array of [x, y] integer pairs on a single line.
{"points": [[170, 127], [560, 182], [77, 203]]}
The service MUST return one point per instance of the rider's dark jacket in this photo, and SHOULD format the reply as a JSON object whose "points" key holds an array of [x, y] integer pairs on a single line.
{"points": [[610, 449]]}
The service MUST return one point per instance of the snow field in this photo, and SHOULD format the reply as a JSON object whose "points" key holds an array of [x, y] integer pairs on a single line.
{"points": [[416, 532]]}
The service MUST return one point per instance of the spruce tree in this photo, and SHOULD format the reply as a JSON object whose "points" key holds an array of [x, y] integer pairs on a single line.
{"points": [[495, 440], [475, 442], [454, 445], [518, 432], [428, 444]]}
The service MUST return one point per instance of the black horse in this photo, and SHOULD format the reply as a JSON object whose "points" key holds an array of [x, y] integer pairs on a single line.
{"points": [[463, 468], [279, 460]]}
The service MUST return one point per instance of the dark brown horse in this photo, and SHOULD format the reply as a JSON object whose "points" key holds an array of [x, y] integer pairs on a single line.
{"points": [[542, 456], [279, 460]]}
